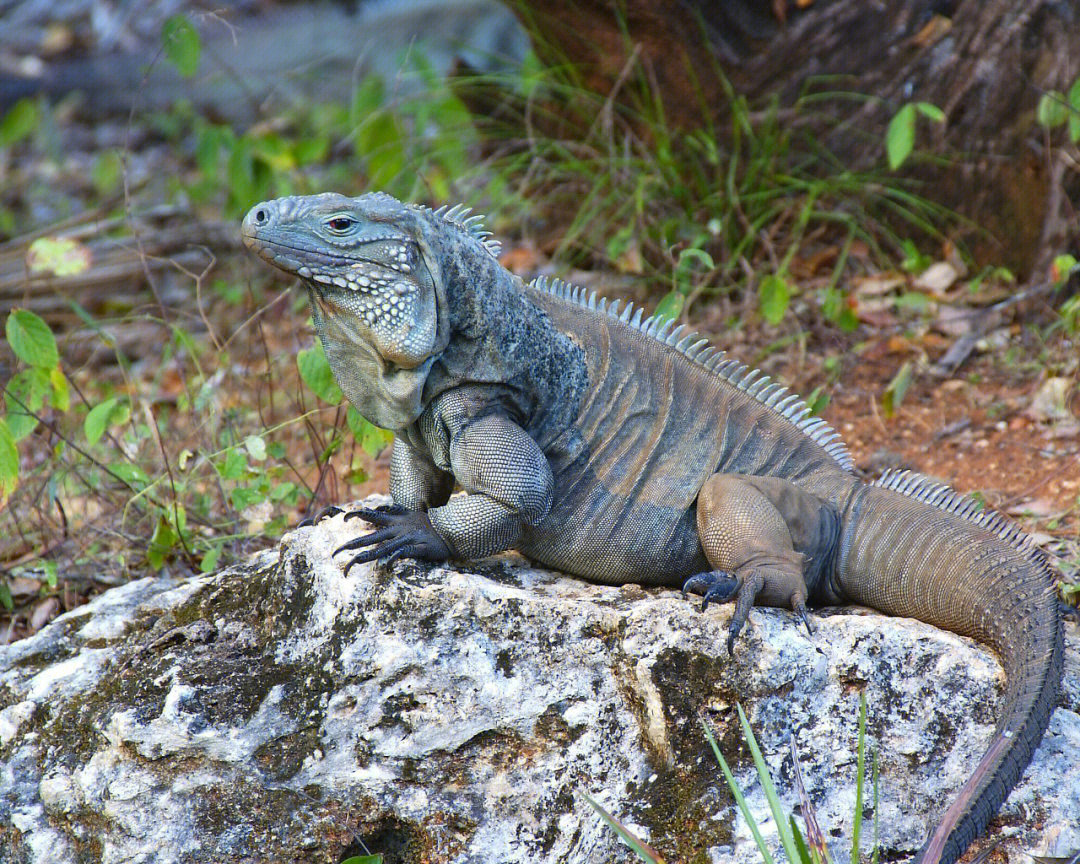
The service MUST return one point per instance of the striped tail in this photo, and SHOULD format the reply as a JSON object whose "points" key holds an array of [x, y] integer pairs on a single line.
{"points": [[914, 548]]}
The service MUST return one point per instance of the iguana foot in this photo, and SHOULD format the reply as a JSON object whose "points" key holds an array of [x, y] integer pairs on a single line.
{"points": [[399, 533], [325, 513], [720, 586], [716, 586]]}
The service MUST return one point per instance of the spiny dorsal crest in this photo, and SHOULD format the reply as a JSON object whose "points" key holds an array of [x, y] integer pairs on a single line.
{"points": [[943, 497], [459, 217], [751, 381]]}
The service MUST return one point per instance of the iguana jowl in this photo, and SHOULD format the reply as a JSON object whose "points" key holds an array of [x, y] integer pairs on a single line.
{"points": [[619, 450]]}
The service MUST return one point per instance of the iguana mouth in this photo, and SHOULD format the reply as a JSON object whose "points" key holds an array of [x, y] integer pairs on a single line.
{"points": [[277, 253]]}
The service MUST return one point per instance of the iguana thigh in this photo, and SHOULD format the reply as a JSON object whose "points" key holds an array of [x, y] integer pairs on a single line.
{"points": [[767, 540]]}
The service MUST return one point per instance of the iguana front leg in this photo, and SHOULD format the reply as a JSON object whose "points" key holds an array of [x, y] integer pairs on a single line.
{"points": [[510, 486], [761, 534]]}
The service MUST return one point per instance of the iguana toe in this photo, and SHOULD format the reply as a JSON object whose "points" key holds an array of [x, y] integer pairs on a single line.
{"points": [[400, 533], [716, 586], [325, 513]]}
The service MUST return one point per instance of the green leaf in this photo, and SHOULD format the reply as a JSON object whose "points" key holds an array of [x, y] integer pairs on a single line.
{"points": [[210, 560], [894, 393], [1061, 268], [52, 572], [381, 139], [773, 296], [31, 339], [930, 111], [5, 596], [182, 44], [900, 136], [243, 497], [694, 254], [235, 465], [670, 307], [60, 393], [106, 171], [9, 462], [19, 122], [25, 393], [98, 419], [58, 256], [256, 447], [363, 859], [817, 401], [162, 543], [315, 370], [1074, 113], [800, 842], [1052, 109], [370, 437], [860, 770], [131, 474]]}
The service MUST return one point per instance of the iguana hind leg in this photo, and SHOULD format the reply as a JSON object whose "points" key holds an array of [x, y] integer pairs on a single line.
{"points": [[764, 537]]}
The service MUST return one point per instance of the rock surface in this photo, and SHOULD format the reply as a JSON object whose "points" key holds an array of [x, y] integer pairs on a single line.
{"points": [[283, 711]]}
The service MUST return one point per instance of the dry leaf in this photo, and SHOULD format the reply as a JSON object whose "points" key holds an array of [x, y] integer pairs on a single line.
{"points": [[877, 285], [937, 278], [43, 613], [23, 586], [931, 31]]}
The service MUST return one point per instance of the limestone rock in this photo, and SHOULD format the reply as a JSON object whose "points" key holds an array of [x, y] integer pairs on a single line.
{"points": [[284, 711]]}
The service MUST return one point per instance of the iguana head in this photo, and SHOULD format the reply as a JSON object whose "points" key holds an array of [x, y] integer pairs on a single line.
{"points": [[376, 293]]}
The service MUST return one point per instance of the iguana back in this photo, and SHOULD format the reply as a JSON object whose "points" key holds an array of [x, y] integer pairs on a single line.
{"points": [[663, 413]]}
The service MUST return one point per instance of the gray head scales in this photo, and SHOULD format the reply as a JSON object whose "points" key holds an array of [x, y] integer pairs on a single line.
{"points": [[371, 265]]}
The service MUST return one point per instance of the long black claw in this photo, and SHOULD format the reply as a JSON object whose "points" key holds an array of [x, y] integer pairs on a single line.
{"points": [[325, 513], [386, 553], [733, 631], [800, 610], [365, 513], [379, 516], [369, 539]]}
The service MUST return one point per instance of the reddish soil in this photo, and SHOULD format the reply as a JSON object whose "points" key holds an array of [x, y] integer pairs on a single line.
{"points": [[973, 436]]}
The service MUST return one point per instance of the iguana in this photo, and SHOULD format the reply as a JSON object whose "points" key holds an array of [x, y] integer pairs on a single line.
{"points": [[621, 449]]}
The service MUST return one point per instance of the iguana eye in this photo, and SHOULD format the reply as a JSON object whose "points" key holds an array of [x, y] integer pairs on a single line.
{"points": [[339, 223]]}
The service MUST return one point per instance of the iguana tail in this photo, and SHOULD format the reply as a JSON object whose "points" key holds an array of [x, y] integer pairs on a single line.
{"points": [[914, 548]]}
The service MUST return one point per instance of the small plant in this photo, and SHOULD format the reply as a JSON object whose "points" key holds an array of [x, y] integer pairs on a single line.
{"points": [[800, 848], [900, 133], [1060, 109], [707, 211]]}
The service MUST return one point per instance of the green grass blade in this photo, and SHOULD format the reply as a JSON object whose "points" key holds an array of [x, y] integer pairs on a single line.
{"points": [[860, 770], [645, 852], [739, 798], [770, 790], [805, 856], [874, 769]]}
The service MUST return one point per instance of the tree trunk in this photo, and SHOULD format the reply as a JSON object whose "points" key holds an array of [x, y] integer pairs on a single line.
{"points": [[985, 63]]}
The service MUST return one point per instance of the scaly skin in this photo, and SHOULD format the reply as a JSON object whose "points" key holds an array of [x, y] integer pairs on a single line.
{"points": [[617, 451]]}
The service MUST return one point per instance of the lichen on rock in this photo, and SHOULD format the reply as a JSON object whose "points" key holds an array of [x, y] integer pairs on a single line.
{"points": [[282, 710]]}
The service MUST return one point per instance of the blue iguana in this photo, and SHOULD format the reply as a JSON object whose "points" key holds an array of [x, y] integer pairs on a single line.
{"points": [[618, 448]]}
